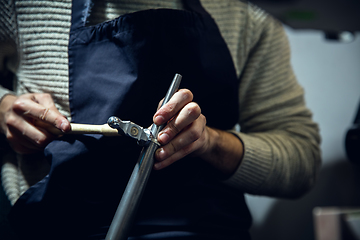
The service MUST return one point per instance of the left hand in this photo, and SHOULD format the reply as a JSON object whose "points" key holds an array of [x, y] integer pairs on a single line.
{"points": [[185, 131]]}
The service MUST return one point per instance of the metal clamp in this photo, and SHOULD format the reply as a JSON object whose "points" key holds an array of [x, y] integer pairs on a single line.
{"points": [[130, 129]]}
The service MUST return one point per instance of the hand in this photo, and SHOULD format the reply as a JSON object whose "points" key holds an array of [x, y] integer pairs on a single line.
{"points": [[186, 133], [185, 130], [25, 121]]}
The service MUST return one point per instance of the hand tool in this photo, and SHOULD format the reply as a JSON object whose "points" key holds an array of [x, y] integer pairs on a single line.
{"points": [[130, 129], [145, 137], [132, 195]]}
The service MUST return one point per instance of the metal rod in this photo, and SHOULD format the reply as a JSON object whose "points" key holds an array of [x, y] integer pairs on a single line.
{"points": [[130, 200]]}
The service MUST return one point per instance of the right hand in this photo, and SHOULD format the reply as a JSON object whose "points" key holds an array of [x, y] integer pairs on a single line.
{"points": [[25, 120]]}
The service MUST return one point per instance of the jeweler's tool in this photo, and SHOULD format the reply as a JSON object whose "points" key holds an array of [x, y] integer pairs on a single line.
{"points": [[132, 195]]}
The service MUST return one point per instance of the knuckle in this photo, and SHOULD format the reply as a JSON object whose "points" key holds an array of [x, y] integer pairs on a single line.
{"points": [[42, 95], [194, 134], [46, 95], [41, 141], [194, 110], [48, 98], [172, 147], [11, 121], [187, 94], [173, 128], [18, 104]]}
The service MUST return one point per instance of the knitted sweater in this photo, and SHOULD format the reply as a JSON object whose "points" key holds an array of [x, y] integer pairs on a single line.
{"points": [[281, 142]]}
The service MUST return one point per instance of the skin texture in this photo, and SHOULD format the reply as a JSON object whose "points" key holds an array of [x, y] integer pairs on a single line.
{"points": [[27, 120]]}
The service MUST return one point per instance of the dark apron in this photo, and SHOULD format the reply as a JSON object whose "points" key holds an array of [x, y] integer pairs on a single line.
{"points": [[123, 68]]}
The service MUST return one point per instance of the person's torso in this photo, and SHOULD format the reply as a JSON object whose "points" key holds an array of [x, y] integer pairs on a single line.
{"points": [[141, 51], [43, 32]]}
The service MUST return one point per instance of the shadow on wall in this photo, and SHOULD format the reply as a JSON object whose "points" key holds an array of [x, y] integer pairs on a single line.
{"points": [[338, 185]]}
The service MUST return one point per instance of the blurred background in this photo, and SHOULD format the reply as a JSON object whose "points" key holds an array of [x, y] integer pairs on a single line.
{"points": [[325, 42]]}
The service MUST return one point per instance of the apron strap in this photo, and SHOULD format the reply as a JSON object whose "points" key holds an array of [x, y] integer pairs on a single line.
{"points": [[80, 11], [195, 6]]}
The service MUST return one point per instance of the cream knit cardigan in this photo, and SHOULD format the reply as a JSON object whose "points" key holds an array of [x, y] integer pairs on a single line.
{"points": [[282, 154]]}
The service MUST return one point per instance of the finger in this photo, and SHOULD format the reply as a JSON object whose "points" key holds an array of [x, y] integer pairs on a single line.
{"points": [[175, 104], [44, 99], [20, 143], [27, 134], [48, 113], [50, 125], [160, 103], [182, 141], [178, 155], [186, 116], [47, 127]]}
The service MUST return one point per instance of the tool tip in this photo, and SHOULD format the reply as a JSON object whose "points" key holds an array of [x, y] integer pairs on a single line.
{"points": [[113, 122]]}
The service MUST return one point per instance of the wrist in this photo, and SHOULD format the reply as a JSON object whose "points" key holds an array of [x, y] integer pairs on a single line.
{"points": [[212, 138], [223, 151]]}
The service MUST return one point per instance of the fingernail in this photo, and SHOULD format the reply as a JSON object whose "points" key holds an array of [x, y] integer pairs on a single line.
{"points": [[63, 125], [159, 120], [163, 137], [157, 166], [160, 153]]}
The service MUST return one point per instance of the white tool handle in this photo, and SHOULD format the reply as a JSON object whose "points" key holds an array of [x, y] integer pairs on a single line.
{"points": [[78, 128]]}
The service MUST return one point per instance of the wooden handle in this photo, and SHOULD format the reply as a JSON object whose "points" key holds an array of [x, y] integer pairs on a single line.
{"points": [[78, 128]]}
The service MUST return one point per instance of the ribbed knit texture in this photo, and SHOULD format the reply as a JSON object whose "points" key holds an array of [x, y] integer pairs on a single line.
{"points": [[10, 177], [281, 142], [43, 36]]}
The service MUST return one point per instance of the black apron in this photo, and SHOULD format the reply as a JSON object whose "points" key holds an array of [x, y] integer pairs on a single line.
{"points": [[123, 68]]}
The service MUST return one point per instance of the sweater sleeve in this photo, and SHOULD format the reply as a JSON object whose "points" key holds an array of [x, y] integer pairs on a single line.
{"points": [[281, 142]]}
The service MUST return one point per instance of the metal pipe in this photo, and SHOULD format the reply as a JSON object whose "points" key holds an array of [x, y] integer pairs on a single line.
{"points": [[130, 200]]}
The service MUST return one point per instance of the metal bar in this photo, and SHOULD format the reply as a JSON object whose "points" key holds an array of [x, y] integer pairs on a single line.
{"points": [[130, 200]]}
